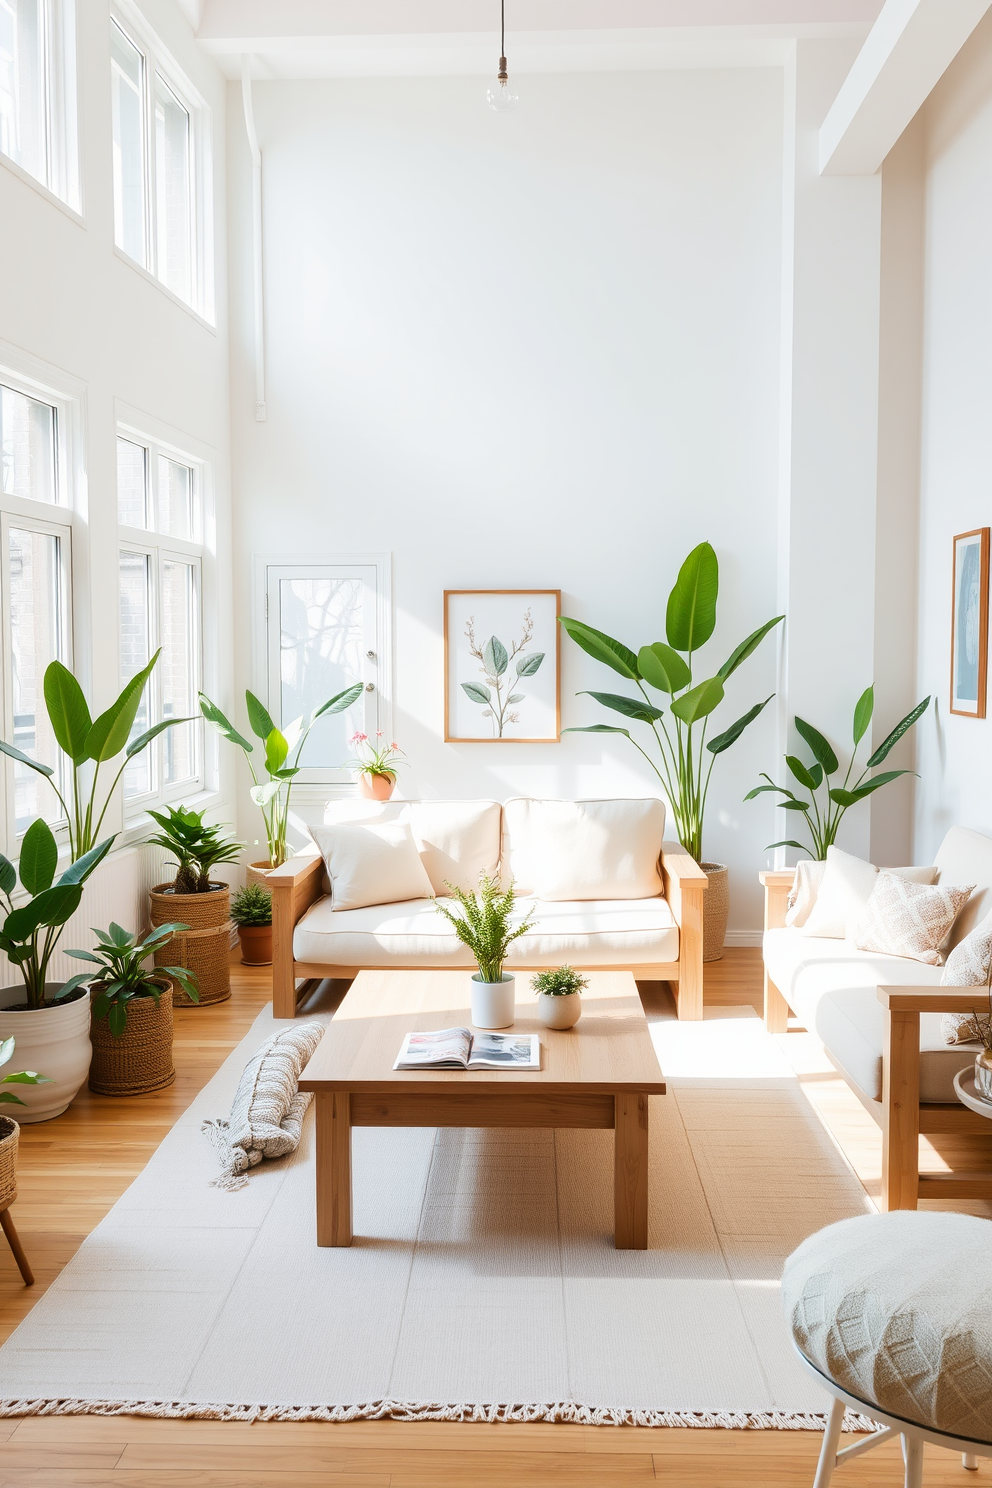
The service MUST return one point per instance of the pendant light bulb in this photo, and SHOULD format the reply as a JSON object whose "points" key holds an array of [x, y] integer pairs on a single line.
{"points": [[500, 96]]}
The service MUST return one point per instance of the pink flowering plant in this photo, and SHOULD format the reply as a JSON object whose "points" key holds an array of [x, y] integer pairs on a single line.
{"points": [[375, 758]]}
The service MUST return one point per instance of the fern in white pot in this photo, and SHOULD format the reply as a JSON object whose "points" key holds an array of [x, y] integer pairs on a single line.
{"points": [[484, 925]]}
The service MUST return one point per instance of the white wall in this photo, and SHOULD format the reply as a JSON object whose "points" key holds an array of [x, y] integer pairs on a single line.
{"points": [[956, 492], [539, 350]]}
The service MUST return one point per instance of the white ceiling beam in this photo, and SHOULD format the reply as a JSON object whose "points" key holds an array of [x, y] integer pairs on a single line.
{"points": [[908, 49]]}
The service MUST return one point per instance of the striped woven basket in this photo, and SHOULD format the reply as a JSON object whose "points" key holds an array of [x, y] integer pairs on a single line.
{"points": [[205, 948], [140, 1060], [9, 1134]]}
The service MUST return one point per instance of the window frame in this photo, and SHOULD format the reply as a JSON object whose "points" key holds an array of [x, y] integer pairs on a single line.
{"points": [[157, 61], [62, 182]]}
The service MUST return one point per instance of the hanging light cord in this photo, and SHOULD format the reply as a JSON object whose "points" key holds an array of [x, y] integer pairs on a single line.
{"points": [[502, 28]]}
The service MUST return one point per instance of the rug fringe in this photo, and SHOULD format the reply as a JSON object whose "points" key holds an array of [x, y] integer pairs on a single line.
{"points": [[564, 1412]]}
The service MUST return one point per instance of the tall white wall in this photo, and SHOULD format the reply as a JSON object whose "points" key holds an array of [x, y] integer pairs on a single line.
{"points": [[956, 488], [530, 351]]}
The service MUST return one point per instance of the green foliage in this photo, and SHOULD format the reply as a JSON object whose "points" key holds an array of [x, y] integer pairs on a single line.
{"points": [[252, 905], [678, 750], [196, 847], [86, 742], [22, 1077], [561, 982], [282, 749], [824, 808], [30, 933], [484, 923], [121, 975]]}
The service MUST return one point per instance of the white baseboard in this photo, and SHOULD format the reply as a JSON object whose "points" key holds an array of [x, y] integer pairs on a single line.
{"points": [[743, 938]]}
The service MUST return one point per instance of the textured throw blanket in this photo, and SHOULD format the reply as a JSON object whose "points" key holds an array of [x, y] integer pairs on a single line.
{"points": [[268, 1110]]}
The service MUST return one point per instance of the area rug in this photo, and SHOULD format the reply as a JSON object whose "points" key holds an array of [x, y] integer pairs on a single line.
{"points": [[483, 1283]]}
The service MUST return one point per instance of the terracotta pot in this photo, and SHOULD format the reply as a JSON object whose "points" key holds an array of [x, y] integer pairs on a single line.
{"points": [[140, 1061], [376, 787], [559, 1012], [54, 1041], [716, 909], [256, 944]]}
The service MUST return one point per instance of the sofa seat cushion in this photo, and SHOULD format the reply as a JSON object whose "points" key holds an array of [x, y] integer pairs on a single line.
{"points": [[833, 988], [592, 933]]}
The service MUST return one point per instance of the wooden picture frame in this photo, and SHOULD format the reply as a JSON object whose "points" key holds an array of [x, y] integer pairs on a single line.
{"points": [[492, 634], [970, 623]]}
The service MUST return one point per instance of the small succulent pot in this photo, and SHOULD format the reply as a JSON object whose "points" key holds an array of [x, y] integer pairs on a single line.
{"points": [[139, 1061], [493, 1002], [256, 945], [376, 787], [983, 1074], [559, 1012]]}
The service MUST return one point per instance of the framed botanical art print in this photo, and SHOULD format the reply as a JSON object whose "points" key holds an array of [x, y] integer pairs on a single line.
{"points": [[501, 659], [970, 623]]}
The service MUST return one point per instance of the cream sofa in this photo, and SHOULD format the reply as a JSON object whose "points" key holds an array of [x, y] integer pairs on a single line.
{"points": [[621, 917], [878, 1018]]}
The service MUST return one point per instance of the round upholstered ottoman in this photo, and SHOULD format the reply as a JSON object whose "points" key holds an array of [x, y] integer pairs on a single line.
{"points": [[894, 1311]]}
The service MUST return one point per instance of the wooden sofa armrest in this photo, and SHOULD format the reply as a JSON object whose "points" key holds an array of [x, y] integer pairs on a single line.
{"points": [[777, 884], [685, 884], [294, 887], [935, 999]]}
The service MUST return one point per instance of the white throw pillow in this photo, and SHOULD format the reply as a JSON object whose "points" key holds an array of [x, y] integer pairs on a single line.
{"points": [[805, 887], [844, 891], [373, 864], [909, 919], [967, 966], [457, 840], [563, 850]]}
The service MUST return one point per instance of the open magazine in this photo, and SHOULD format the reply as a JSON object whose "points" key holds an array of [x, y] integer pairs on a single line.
{"points": [[459, 1048]]}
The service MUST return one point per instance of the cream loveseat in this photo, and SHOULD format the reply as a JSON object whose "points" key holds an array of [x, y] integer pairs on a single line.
{"points": [[878, 1018], [634, 902]]}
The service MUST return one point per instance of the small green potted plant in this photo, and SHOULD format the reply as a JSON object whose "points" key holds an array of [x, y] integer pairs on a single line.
{"points": [[203, 903], [376, 765], [132, 1010], [484, 927], [559, 996], [251, 911]]}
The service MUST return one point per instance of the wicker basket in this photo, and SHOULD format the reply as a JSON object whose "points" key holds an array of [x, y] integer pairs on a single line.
{"points": [[716, 908], [9, 1133], [205, 948], [140, 1061]]}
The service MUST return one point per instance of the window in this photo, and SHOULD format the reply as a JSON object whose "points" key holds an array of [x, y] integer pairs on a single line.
{"points": [[156, 122], [35, 573], [159, 503], [325, 629], [38, 92]]}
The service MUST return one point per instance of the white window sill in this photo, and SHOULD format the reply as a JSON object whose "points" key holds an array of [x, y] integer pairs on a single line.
{"points": [[42, 189], [170, 294]]}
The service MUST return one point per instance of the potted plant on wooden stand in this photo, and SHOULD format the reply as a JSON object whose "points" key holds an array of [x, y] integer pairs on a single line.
{"points": [[375, 765], [9, 1136], [204, 905], [251, 911], [484, 926], [132, 1010]]}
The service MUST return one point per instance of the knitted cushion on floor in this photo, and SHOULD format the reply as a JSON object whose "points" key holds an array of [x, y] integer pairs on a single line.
{"points": [[896, 1309], [267, 1115]]}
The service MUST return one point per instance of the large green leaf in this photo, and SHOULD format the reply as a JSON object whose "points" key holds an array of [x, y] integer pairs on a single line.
{"points": [[477, 692], [39, 857], [597, 728], [494, 657], [276, 750], [852, 797], [794, 804], [262, 794], [822, 751], [79, 871], [51, 907], [700, 701], [213, 715], [67, 711], [143, 740], [629, 707], [863, 710], [603, 647], [901, 728], [339, 702], [745, 648], [691, 615], [25, 759], [259, 718], [789, 842], [663, 668], [109, 734], [8, 876], [732, 734], [528, 665], [800, 771]]}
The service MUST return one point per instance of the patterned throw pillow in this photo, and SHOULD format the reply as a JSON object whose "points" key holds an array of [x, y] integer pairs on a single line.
{"points": [[909, 919], [967, 966]]}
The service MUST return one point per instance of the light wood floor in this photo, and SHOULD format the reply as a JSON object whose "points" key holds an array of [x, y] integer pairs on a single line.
{"points": [[73, 1169]]}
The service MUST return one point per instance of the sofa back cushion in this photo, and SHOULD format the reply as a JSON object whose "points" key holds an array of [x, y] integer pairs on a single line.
{"points": [[371, 863], [583, 849], [966, 857], [457, 840]]}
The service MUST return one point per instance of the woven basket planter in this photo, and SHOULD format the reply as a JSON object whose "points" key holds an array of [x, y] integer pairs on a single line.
{"points": [[140, 1061], [716, 909], [9, 1133], [204, 948]]}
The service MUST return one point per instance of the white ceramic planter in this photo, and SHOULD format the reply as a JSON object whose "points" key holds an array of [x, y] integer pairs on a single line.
{"points": [[493, 1002], [52, 1041], [559, 1012]]}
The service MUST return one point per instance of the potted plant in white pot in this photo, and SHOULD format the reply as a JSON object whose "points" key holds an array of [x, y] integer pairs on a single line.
{"points": [[559, 996], [50, 1021], [251, 911], [484, 926], [201, 903]]}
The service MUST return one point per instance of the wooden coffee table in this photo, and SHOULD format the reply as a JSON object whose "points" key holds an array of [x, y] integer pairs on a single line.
{"points": [[598, 1074]]}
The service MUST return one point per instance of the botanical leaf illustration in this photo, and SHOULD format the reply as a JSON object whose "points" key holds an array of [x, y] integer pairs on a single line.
{"points": [[515, 697], [528, 665], [494, 657], [477, 693]]}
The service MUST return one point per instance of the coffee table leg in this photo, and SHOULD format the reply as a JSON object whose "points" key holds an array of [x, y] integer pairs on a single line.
{"points": [[333, 1167], [630, 1172]]}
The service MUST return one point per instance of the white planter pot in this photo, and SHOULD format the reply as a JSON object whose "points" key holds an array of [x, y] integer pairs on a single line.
{"points": [[559, 1012], [52, 1041], [492, 1002]]}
